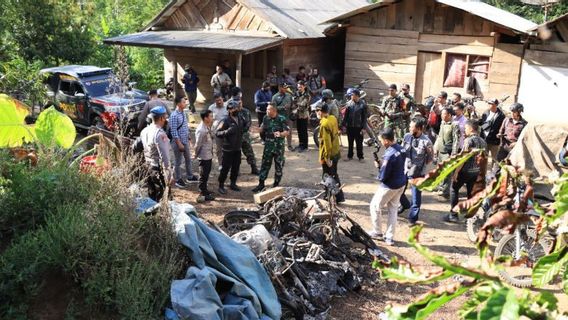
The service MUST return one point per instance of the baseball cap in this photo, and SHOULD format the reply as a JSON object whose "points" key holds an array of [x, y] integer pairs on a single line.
{"points": [[492, 101], [392, 87], [158, 110], [232, 104]]}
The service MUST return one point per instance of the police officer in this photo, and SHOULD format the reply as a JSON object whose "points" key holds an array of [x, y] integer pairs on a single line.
{"points": [[246, 119], [273, 131], [230, 129], [392, 109], [157, 154]]}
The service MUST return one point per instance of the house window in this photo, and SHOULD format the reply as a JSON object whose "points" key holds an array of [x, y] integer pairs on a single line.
{"points": [[460, 66]]}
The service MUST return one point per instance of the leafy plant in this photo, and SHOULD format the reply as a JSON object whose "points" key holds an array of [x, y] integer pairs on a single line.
{"points": [[491, 299], [13, 130]]}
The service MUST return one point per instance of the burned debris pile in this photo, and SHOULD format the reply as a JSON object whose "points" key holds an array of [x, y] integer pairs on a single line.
{"points": [[311, 250]]}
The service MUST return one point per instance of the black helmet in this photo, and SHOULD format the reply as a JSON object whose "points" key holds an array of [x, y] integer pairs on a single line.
{"points": [[516, 107]]}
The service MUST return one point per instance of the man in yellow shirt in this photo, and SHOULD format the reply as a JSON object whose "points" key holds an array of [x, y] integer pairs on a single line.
{"points": [[329, 145]]}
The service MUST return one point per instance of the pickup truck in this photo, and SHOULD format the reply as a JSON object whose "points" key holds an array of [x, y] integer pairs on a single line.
{"points": [[93, 96]]}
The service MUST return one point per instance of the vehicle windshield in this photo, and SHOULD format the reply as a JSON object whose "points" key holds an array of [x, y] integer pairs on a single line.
{"points": [[100, 85]]}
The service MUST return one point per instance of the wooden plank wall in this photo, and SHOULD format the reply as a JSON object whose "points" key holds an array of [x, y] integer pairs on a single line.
{"points": [[425, 16], [201, 14], [504, 72], [383, 45]]}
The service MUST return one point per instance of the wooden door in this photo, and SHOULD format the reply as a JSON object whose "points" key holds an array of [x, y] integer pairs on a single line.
{"points": [[429, 74]]}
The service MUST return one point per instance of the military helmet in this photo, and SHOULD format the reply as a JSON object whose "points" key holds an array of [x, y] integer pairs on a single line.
{"points": [[516, 107], [327, 93]]}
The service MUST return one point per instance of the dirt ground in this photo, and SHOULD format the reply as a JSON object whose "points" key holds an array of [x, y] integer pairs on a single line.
{"points": [[303, 170]]}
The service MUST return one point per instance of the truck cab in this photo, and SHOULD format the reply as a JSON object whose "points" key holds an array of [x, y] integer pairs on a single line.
{"points": [[93, 96]]}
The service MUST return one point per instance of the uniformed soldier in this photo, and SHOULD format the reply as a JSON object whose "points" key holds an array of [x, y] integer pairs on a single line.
{"points": [[394, 114], [283, 103], [245, 116], [273, 131], [157, 154], [407, 104]]}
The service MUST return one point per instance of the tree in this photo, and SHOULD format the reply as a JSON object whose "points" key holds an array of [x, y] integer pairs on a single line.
{"points": [[47, 30], [531, 12]]}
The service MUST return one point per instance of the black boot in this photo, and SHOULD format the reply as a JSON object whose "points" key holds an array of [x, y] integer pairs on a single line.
{"points": [[276, 182], [259, 187], [254, 170], [222, 189], [234, 186]]}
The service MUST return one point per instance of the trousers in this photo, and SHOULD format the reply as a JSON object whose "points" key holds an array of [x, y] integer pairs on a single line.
{"points": [[302, 127], [272, 152], [186, 154], [204, 171], [332, 171], [260, 117], [354, 135], [156, 184], [385, 200], [414, 204], [232, 163], [248, 151], [464, 178]]}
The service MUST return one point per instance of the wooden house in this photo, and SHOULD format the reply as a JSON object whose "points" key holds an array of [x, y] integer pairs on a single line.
{"points": [[544, 73], [433, 45], [253, 35]]}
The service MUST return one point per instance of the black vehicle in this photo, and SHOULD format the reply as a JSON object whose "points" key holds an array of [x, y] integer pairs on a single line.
{"points": [[92, 96]]}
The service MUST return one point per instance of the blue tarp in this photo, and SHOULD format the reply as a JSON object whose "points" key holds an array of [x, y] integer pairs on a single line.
{"points": [[227, 281]]}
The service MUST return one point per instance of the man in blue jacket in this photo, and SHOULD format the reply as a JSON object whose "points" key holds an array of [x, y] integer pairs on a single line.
{"points": [[262, 98], [392, 181]]}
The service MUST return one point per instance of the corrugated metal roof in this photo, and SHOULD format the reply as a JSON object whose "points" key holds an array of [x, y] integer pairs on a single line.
{"points": [[475, 7], [202, 40], [491, 13], [298, 19], [551, 22]]}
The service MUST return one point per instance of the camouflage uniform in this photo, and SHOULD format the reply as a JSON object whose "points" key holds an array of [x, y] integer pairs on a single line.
{"points": [[394, 119], [273, 147], [246, 145], [408, 105]]}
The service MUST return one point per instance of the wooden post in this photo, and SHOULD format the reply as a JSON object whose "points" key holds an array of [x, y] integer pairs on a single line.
{"points": [[175, 76], [239, 70]]}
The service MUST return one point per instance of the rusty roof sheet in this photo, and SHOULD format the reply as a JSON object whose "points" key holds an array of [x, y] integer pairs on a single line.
{"points": [[299, 19], [200, 40]]}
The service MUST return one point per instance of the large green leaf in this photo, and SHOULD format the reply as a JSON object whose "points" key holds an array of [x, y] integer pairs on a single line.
{"points": [[483, 291], [443, 262], [561, 198], [502, 305], [13, 130], [471, 206], [428, 303], [54, 128], [549, 266], [405, 273], [443, 170]]}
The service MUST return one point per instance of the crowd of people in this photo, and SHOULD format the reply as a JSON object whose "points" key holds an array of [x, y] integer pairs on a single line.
{"points": [[412, 138]]}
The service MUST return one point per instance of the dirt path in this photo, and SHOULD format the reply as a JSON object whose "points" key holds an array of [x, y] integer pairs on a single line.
{"points": [[302, 170]]}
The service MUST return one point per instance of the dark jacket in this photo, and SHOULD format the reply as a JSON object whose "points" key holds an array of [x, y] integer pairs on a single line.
{"points": [[190, 81], [490, 129], [231, 131], [391, 172], [355, 115], [262, 99]]}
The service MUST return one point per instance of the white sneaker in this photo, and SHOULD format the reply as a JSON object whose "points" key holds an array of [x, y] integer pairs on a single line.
{"points": [[375, 234], [389, 242]]}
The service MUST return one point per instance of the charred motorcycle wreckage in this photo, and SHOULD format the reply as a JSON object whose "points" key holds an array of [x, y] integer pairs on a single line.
{"points": [[311, 249]]}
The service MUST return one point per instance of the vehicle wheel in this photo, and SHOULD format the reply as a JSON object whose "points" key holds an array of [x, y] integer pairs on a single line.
{"points": [[236, 221], [473, 225], [316, 136], [520, 275]]}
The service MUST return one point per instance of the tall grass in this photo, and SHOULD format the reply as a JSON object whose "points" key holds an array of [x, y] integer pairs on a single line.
{"points": [[84, 226]]}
